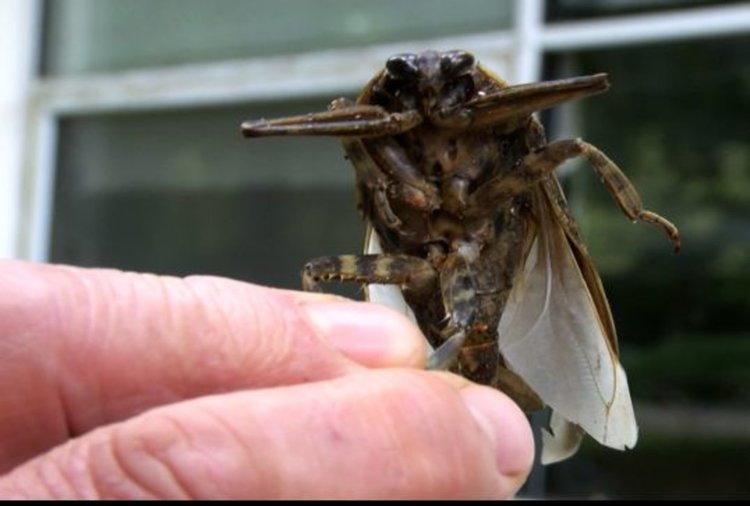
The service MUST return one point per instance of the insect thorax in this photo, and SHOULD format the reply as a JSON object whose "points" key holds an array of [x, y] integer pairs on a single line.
{"points": [[475, 245]]}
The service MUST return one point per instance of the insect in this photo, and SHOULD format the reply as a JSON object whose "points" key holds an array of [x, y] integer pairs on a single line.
{"points": [[468, 233]]}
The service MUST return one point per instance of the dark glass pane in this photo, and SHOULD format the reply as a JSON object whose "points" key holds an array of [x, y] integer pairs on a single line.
{"points": [[563, 10], [183, 192], [105, 35], [675, 121]]}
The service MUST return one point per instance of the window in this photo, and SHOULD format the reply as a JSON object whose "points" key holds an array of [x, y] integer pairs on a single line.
{"points": [[127, 154], [673, 121], [141, 104]]}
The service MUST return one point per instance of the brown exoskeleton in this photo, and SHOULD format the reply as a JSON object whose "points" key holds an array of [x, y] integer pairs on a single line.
{"points": [[469, 233]]}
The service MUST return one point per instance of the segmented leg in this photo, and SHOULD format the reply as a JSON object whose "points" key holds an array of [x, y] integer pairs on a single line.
{"points": [[532, 169], [383, 187], [387, 154], [411, 273], [374, 181], [460, 301], [354, 121], [623, 191], [538, 165], [515, 103], [383, 180]]}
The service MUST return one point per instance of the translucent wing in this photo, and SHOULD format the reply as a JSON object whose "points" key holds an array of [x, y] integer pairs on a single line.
{"points": [[561, 441], [552, 335], [388, 295]]}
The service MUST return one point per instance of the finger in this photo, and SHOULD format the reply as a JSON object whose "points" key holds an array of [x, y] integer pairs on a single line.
{"points": [[82, 347], [376, 434]]}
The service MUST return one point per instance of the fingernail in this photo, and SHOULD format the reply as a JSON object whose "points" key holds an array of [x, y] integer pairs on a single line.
{"points": [[506, 427], [370, 334]]}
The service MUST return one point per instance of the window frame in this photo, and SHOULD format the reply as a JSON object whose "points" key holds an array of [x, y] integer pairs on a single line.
{"points": [[27, 188]]}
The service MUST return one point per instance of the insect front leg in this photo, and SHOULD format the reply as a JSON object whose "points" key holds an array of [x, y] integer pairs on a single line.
{"points": [[343, 119], [513, 104], [411, 273]]}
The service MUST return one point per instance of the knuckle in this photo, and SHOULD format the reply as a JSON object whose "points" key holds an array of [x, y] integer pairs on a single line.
{"points": [[138, 461]]}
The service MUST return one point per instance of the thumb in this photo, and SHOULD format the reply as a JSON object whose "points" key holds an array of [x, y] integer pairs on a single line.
{"points": [[383, 433]]}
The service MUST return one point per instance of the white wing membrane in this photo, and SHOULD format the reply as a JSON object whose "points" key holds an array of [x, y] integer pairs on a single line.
{"points": [[561, 441], [551, 335]]}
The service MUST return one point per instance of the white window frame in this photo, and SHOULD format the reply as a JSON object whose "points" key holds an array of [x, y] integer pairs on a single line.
{"points": [[28, 131]]}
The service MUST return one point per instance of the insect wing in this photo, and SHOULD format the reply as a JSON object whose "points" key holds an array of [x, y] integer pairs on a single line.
{"points": [[561, 441], [552, 335]]}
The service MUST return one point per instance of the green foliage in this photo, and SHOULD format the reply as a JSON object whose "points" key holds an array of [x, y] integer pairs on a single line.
{"points": [[660, 467], [704, 369], [676, 123]]}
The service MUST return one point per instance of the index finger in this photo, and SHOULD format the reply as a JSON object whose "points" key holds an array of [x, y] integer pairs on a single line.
{"points": [[85, 347]]}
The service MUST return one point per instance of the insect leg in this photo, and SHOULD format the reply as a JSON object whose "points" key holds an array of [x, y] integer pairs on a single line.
{"points": [[459, 298], [411, 273], [535, 166], [515, 103], [444, 356], [391, 158], [617, 183], [349, 121], [380, 180], [620, 187], [531, 169]]}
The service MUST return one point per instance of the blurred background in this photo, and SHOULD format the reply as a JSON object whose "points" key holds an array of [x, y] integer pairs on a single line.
{"points": [[120, 147]]}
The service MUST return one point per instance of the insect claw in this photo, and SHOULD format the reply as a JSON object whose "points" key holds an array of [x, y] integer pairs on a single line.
{"points": [[309, 283], [443, 357]]}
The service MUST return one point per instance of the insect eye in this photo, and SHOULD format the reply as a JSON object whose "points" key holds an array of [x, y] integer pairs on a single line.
{"points": [[402, 66], [456, 63]]}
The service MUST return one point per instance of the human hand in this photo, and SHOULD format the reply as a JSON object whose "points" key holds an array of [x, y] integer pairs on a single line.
{"points": [[123, 385]]}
